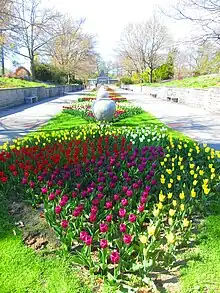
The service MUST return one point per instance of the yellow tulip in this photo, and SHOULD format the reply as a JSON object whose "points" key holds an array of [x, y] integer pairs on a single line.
{"points": [[172, 212], [193, 193], [160, 205], [169, 195], [182, 195], [169, 185], [195, 182], [170, 238], [170, 221], [174, 203], [151, 230], [182, 207], [162, 197], [185, 223], [143, 239]]}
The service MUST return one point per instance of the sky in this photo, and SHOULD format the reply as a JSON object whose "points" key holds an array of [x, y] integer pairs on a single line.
{"points": [[106, 19]]}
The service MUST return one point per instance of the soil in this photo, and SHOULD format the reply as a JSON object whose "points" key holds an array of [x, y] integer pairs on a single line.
{"points": [[36, 233]]}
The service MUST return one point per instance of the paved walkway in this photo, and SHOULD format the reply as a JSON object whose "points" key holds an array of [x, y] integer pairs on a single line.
{"points": [[197, 123], [18, 121]]}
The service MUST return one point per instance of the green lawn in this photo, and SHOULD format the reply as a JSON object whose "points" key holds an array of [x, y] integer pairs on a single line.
{"points": [[6, 82], [204, 81], [22, 270], [68, 121], [202, 272]]}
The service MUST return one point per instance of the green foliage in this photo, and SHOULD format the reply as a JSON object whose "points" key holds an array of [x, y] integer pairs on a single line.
{"points": [[126, 80], [166, 70], [48, 72]]}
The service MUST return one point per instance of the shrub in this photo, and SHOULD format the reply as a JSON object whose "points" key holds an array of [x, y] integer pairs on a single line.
{"points": [[50, 73]]}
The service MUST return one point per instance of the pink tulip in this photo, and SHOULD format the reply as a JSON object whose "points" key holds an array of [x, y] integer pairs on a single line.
{"points": [[51, 196], [115, 256], [58, 209], [124, 202], [127, 239], [141, 208], [83, 235], [103, 227], [64, 224], [123, 228], [129, 193], [122, 213], [108, 205], [109, 218], [116, 197], [103, 243], [88, 240], [132, 218]]}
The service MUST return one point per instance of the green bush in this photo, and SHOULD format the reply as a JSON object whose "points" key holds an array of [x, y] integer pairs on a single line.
{"points": [[50, 73], [126, 80]]}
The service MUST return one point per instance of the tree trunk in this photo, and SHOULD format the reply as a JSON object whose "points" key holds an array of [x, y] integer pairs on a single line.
{"points": [[33, 71], [151, 75], [2, 60]]}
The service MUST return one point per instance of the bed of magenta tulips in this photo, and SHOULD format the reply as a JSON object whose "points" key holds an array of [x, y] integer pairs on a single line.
{"points": [[121, 200]]}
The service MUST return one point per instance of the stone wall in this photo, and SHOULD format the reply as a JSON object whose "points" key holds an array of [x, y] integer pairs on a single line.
{"points": [[208, 99], [15, 96]]}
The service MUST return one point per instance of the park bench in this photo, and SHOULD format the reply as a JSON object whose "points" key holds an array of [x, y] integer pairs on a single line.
{"points": [[30, 100], [172, 99]]}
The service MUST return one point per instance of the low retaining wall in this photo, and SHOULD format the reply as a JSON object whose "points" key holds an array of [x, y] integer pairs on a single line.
{"points": [[208, 99], [15, 96]]}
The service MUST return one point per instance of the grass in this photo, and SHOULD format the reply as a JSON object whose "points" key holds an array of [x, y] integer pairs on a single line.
{"points": [[204, 81], [64, 121], [6, 82], [202, 273], [22, 270], [68, 121]]}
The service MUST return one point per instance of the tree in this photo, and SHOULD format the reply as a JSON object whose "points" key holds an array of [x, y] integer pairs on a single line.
{"points": [[72, 49], [204, 13], [32, 27], [144, 44]]}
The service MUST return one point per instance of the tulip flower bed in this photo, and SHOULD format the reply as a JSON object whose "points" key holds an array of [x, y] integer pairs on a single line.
{"points": [[84, 110], [114, 98], [121, 200]]}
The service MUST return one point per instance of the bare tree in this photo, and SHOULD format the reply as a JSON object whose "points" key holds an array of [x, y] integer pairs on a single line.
{"points": [[143, 44], [71, 48], [204, 13], [32, 27]]}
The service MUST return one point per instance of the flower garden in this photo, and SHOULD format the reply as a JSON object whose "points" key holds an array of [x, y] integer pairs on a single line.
{"points": [[122, 200]]}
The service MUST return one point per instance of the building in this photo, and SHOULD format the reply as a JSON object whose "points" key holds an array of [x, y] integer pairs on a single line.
{"points": [[102, 79]]}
